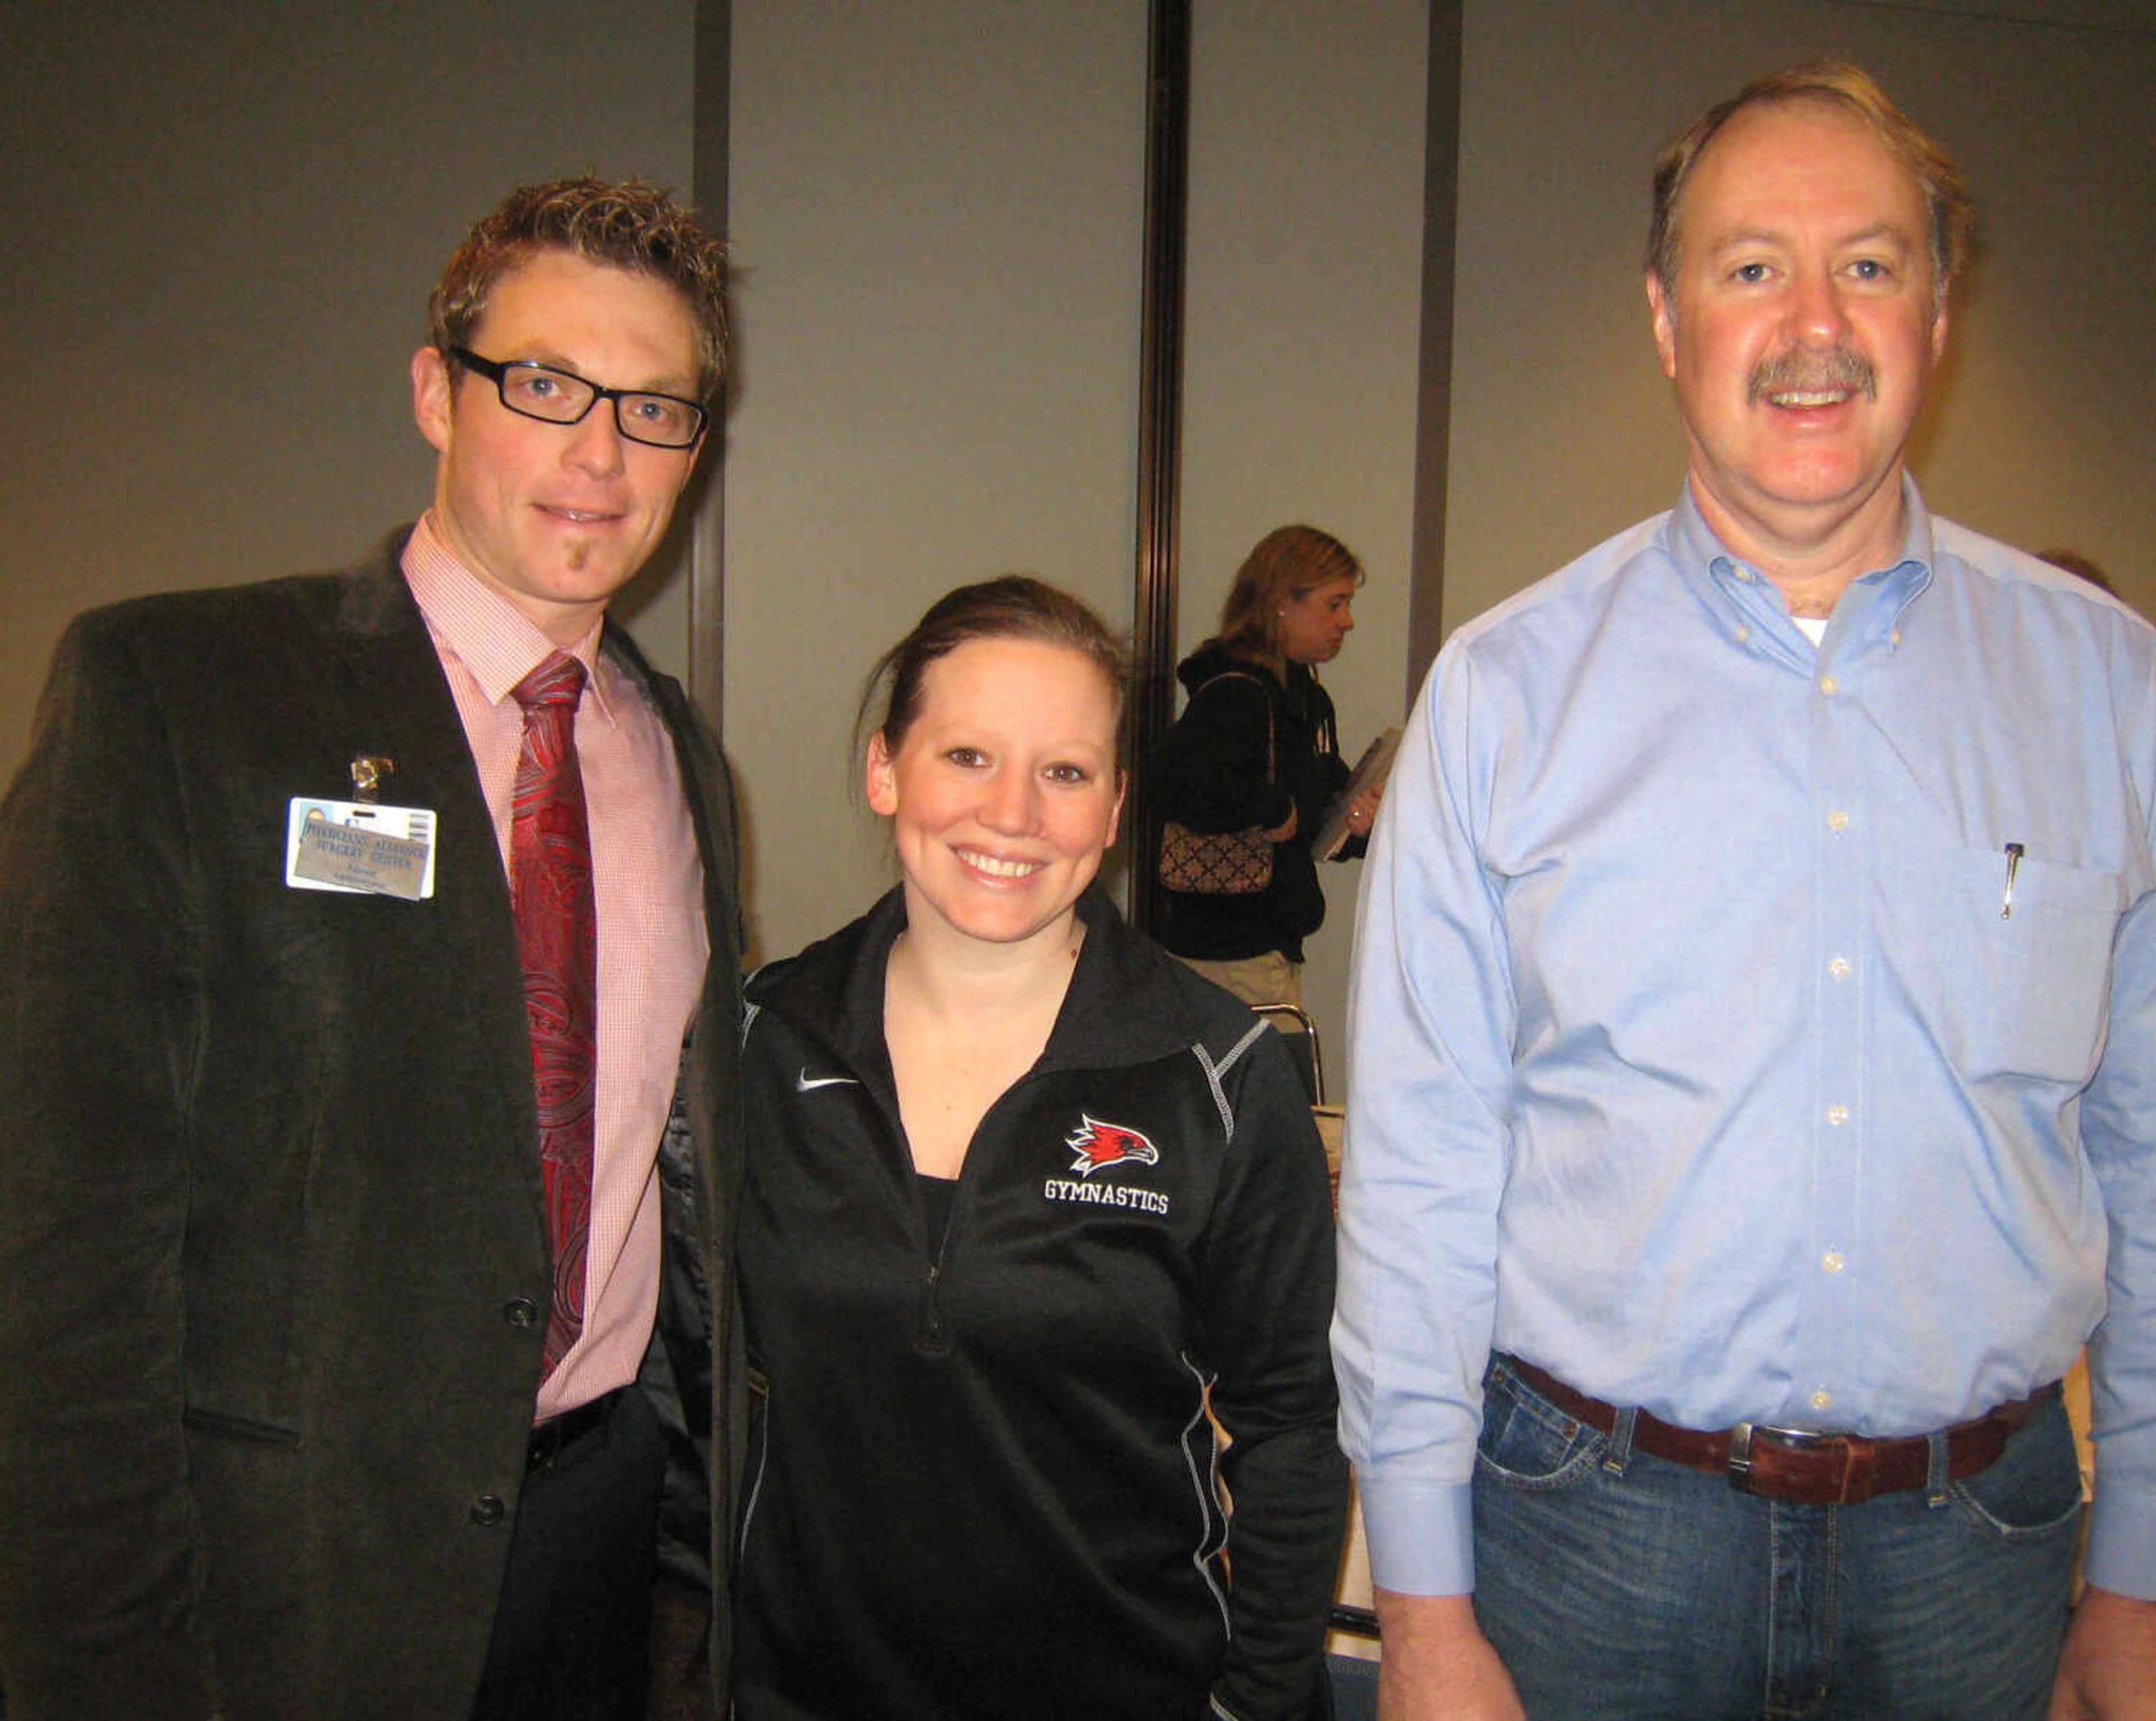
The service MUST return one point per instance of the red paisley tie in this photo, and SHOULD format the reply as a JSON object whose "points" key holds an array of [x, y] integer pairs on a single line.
{"points": [[550, 869]]}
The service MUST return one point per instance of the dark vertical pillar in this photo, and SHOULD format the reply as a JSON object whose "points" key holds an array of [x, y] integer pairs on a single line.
{"points": [[1160, 428], [1440, 206], [712, 118]]}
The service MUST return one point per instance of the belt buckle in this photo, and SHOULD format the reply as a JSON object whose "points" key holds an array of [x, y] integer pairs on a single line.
{"points": [[1743, 1434]]}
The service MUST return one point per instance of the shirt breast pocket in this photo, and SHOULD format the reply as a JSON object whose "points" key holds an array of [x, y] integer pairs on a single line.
{"points": [[2010, 973]]}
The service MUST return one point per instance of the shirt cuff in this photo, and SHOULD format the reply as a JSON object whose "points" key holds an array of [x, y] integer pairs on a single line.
{"points": [[2121, 1544], [1420, 1535]]}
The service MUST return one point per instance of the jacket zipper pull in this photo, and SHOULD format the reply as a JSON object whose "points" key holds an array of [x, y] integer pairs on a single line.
{"points": [[932, 1338]]}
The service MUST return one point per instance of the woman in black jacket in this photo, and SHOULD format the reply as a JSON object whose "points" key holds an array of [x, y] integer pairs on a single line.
{"points": [[1029, 1209], [1255, 750]]}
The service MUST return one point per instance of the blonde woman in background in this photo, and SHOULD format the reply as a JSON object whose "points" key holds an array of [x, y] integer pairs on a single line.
{"points": [[1255, 748]]}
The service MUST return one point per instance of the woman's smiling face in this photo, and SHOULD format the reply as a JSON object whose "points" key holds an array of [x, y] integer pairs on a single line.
{"points": [[1005, 793]]}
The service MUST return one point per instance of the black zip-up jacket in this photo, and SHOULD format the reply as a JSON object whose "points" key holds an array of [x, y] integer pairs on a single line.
{"points": [[1210, 773], [981, 1478]]}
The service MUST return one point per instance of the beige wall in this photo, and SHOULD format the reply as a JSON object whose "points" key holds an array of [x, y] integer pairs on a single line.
{"points": [[1562, 431], [936, 225], [222, 223], [1305, 295]]}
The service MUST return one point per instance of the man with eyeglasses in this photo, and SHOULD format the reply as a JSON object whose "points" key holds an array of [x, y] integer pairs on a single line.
{"points": [[369, 952]]}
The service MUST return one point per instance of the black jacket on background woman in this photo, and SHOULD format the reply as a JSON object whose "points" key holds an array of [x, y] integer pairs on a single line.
{"points": [[1210, 774]]}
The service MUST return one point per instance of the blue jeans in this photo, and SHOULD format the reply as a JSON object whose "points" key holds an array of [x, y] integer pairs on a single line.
{"points": [[1619, 1587]]}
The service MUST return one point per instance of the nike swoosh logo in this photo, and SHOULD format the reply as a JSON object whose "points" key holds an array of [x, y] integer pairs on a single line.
{"points": [[804, 1082]]}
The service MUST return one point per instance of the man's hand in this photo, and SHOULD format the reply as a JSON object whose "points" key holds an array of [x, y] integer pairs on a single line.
{"points": [[2108, 1670], [1437, 1663]]}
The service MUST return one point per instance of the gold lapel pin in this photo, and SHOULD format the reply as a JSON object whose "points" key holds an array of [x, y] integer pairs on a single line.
{"points": [[367, 772]]}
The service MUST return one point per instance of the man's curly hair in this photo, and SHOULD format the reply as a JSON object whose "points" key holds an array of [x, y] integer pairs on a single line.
{"points": [[630, 226]]}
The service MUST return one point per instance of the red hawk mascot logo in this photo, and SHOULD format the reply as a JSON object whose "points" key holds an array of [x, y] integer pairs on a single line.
{"points": [[1096, 1144]]}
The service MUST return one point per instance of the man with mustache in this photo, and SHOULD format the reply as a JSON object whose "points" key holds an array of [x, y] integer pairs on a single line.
{"points": [[1755, 1021]]}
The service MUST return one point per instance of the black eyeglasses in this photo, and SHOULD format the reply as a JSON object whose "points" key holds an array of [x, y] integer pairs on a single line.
{"points": [[662, 421]]}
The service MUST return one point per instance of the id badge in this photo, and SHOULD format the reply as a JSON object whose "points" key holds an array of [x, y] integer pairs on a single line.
{"points": [[359, 848]]}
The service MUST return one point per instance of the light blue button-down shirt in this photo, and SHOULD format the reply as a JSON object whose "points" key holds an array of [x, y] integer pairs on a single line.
{"points": [[1696, 1058]]}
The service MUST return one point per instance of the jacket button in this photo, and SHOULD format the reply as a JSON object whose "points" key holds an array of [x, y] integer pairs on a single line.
{"points": [[486, 1509], [521, 1312]]}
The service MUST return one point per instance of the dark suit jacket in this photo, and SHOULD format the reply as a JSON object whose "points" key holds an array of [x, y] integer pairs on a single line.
{"points": [[271, 1208]]}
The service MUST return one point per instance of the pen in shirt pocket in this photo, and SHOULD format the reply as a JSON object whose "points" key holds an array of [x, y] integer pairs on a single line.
{"points": [[2014, 854]]}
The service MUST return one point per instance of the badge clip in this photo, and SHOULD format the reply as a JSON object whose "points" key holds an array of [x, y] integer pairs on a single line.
{"points": [[367, 772]]}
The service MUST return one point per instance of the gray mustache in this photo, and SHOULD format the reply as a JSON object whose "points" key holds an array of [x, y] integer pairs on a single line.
{"points": [[1839, 369]]}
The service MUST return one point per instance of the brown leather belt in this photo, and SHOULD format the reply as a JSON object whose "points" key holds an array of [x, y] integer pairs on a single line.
{"points": [[1791, 1464]]}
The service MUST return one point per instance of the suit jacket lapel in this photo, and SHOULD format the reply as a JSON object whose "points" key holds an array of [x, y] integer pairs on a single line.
{"points": [[382, 679]]}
